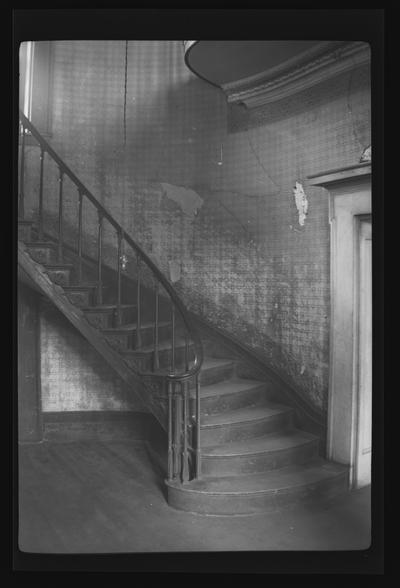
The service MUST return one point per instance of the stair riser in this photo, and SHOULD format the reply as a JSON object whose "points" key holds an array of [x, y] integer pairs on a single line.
{"points": [[243, 503], [107, 319], [24, 232], [43, 254], [127, 340], [164, 359], [247, 430], [234, 465], [137, 363], [214, 375], [253, 397], [165, 356], [83, 298], [60, 277], [147, 335]]}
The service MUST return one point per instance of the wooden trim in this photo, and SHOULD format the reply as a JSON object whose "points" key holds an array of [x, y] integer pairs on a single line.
{"points": [[92, 416], [347, 200], [261, 89], [343, 174], [110, 425], [273, 73], [358, 221]]}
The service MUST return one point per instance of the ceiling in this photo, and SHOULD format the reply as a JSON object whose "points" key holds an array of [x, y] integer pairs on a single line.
{"points": [[222, 62]]}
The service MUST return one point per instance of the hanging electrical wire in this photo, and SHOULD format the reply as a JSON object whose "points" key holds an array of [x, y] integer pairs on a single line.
{"points": [[125, 88]]}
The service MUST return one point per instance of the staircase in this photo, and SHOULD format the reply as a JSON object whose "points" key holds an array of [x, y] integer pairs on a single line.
{"points": [[233, 447]]}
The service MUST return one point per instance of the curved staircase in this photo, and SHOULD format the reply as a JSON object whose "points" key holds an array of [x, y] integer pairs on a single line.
{"points": [[233, 447]]}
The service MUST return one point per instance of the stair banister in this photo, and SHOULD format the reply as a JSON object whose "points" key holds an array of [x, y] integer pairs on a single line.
{"points": [[178, 417]]}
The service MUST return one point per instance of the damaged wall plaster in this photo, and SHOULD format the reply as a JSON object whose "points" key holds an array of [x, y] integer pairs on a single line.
{"points": [[301, 202], [188, 199], [174, 270], [233, 285]]}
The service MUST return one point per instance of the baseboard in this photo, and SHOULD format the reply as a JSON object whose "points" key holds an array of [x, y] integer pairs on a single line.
{"points": [[100, 426]]}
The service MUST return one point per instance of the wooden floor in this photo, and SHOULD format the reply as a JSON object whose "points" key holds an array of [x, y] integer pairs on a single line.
{"points": [[94, 497]]}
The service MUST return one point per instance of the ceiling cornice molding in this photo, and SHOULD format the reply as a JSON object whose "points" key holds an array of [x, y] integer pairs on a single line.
{"points": [[261, 89]]}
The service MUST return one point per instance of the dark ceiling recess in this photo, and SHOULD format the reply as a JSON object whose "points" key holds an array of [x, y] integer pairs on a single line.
{"points": [[221, 62]]}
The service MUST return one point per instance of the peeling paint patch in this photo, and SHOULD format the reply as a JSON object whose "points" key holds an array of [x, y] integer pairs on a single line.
{"points": [[301, 202], [188, 199], [174, 270]]}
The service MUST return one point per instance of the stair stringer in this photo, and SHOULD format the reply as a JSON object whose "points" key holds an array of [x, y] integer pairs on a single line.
{"points": [[149, 392]]}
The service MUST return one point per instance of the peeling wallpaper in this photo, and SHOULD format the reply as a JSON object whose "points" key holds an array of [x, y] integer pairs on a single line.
{"points": [[207, 189]]}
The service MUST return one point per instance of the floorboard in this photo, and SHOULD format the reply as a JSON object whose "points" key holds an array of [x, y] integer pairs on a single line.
{"points": [[108, 497]]}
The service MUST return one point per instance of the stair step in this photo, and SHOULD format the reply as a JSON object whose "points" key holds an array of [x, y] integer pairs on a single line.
{"points": [[80, 295], [58, 266], [215, 370], [272, 451], [59, 273], [212, 371], [25, 229], [232, 394], [145, 355], [42, 251], [244, 423], [124, 337], [265, 492], [104, 316]]}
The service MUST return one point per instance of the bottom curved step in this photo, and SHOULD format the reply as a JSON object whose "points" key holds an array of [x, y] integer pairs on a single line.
{"points": [[265, 492]]}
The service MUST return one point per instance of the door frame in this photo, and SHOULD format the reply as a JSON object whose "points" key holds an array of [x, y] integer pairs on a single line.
{"points": [[349, 192], [359, 220]]}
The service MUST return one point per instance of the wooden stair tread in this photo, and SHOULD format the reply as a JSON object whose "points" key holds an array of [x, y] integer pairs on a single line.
{"points": [[214, 362], [244, 415], [288, 478], [209, 363], [41, 244], [163, 345], [56, 266], [231, 386], [276, 441], [106, 307], [80, 287], [133, 326]]}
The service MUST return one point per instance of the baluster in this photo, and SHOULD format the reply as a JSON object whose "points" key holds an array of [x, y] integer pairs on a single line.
{"points": [[178, 429], [60, 215], [170, 462], [21, 201], [138, 306], [99, 259], [156, 359], [80, 205], [173, 337], [198, 453], [185, 455], [42, 152], [186, 352]]}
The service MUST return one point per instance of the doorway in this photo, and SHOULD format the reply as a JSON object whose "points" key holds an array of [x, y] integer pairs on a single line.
{"points": [[350, 361]]}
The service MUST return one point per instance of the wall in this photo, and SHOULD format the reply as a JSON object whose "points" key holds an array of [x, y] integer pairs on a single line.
{"points": [[29, 404], [208, 189], [74, 377]]}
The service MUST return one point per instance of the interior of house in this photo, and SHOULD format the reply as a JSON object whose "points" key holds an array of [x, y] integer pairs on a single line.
{"points": [[194, 296]]}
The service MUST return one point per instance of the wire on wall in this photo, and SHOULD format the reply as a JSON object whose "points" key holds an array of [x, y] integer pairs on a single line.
{"points": [[125, 87]]}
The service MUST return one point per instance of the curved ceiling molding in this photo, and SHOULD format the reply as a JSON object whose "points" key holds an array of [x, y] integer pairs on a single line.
{"points": [[260, 72]]}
